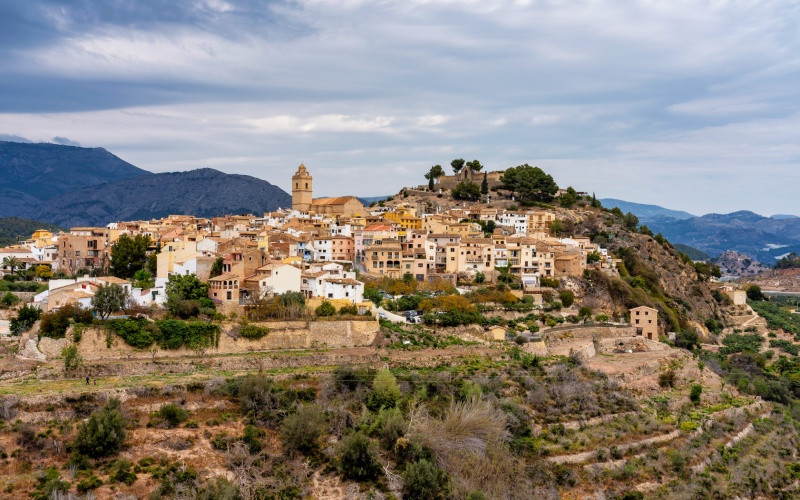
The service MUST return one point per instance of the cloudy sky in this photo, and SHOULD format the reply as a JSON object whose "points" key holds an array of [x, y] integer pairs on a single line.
{"points": [[691, 105]]}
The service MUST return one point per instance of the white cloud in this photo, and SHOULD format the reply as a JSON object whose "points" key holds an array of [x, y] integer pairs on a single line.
{"points": [[600, 91]]}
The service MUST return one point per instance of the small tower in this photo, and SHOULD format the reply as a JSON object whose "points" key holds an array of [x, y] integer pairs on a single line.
{"points": [[301, 189]]}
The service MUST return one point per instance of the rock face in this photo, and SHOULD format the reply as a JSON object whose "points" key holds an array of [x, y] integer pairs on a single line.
{"points": [[30, 351]]}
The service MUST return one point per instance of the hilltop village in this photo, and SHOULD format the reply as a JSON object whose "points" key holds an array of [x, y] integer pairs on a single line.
{"points": [[315, 247]]}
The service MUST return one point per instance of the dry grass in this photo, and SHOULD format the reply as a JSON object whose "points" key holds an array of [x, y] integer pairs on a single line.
{"points": [[470, 442]]}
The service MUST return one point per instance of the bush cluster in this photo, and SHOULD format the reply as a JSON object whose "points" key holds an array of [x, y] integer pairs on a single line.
{"points": [[103, 434], [26, 317], [167, 334], [253, 332], [54, 324]]}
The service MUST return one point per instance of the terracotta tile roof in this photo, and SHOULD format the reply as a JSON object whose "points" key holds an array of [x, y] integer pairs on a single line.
{"points": [[15, 249], [339, 200], [343, 281], [378, 227], [113, 279], [225, 276]]}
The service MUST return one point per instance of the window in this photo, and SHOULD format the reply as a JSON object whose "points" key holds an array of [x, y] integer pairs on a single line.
{"points": [[230, 296], [637, 321]]}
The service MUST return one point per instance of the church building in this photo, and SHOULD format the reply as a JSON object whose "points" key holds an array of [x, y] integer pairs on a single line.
{"points": [[302, 200]]}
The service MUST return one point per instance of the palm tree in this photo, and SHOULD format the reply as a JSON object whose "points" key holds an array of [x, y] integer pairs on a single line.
{"points": [[11, 262]]}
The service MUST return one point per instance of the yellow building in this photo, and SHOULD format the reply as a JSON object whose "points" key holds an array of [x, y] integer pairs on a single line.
{"points": [[42, 238], [404, 217]]}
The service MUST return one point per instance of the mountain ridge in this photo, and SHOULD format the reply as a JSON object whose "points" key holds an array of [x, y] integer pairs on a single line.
{"points": [[203, 192], [74, 186], [761, 238]]}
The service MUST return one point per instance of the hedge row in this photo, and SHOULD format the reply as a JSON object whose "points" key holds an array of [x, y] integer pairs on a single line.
{"points": [[167, 334]]}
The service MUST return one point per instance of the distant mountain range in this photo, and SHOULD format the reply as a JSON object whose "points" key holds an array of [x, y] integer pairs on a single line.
{"points": [[71, 186], [646, 212], [764, 239], [368, 200]]}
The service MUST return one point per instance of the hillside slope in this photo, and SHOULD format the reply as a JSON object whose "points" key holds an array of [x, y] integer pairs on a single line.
{"points": [[203, 192], [14, 228], [30, 172]]}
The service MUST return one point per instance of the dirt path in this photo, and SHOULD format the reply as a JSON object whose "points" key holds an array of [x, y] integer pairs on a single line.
{"points": [[579, 458]]}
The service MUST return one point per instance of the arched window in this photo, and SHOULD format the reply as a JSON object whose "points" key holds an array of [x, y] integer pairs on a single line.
{"points": [[306, 185], [297, 185]]}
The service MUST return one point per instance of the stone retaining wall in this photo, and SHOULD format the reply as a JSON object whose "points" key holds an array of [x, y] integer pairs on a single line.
{"points": [[569, 334], [282, 335]]}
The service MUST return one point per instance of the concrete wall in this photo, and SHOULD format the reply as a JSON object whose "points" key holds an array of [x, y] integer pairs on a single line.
{"points": [[282, 335]]}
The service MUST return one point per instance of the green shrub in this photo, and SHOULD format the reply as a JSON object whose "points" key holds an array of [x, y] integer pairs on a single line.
{"points": [[666, 379], [734, 343], [350, 310], [470, 389], [425, 480], [253, 332], [54, 324], [358, 459], [123, 472], [301, 431], [26, 317], [49, 485], [251, 437], [754, 293], [777, 316], [549, 282], [567, 298], [389, 426], [172, 414], [264, 401], [195, 335], [138, 333], [785, 346], [168, 334], [103, 434], [385, 391], [325, 309], [72, 360], [9, 299], [714, 326], [347, 378], [695, 393], [89, 483]]}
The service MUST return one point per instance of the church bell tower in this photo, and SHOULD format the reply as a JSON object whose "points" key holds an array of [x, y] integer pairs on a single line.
{"points": [[301, 189]]}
